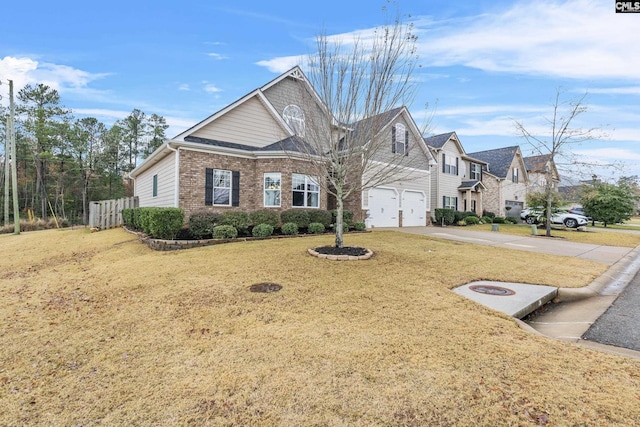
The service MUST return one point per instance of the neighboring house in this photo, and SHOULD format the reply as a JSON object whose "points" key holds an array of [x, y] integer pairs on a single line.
{"points": [[243, 158], [456, 182], [505, 178], [538, 169]]}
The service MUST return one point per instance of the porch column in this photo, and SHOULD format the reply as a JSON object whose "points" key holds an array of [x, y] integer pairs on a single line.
{"points": [[480, 208]]}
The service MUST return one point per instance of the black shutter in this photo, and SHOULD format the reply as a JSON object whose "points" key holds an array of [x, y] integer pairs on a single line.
{"points": [[456, 203], [457, 166], [393, 139], [235, 188], [444, 201], [406, 143], [208, 187], [444, 161]]}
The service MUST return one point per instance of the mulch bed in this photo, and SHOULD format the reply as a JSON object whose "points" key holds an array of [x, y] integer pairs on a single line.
{"points": [[345, 250]]}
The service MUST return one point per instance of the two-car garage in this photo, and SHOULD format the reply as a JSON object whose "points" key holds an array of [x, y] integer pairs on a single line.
{"points": [[387, 205]]}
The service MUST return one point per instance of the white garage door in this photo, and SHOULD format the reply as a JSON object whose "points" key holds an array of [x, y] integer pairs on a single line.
{"points": [[414, 209], [383, 207]]}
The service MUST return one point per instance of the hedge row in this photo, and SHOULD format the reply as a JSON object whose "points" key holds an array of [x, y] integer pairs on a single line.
{"points": [[160, 223], [202, 224]]}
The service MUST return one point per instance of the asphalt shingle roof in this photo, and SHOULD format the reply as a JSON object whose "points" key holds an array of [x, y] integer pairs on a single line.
{"points": [[292, 143], [536, 163], [438, 141], [499, 159]]}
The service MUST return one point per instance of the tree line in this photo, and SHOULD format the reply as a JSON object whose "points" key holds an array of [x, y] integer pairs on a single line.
{"points": [[63, 162]]}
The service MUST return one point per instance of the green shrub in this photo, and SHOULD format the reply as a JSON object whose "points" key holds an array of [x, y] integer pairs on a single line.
{"points": [[127, 217], [265, 216], [459, 216], [462, 223], [511, 220], [445, 216], [289, 228], [489, 214], [262, 230], [225, 232], [298, 216], [347, 217], [201, 224], [486, 220], [238, 220], [472, 220], [360, 226], [498, 220], [142, 219], [316, 228], [322, 216], [165, 223]]}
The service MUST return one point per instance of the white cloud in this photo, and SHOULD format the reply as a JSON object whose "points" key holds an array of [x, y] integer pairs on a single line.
{"points": [[575, 39], [282, 64], [184, 87], [211, 88], [63, 78], [216, 56]]}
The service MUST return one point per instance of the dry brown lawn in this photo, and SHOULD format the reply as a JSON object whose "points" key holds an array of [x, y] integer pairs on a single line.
{"points": [[99, 329], [593, 235]]}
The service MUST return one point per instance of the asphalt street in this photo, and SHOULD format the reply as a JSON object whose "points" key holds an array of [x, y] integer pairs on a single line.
{"points": [[620, 324]]}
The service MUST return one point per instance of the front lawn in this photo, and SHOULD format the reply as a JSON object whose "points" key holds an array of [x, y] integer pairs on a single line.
{"points": [[98, 329], [596, 236]]}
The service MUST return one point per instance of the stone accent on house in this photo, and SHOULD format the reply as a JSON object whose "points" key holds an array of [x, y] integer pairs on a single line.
{"points": [[491, 197]]}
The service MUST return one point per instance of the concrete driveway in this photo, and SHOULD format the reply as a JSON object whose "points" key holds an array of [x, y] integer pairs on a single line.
{"points": [[606, 254]]}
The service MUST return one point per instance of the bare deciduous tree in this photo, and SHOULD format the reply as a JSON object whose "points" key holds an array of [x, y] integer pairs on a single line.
{"points": [[557, 143], [361, 85]]}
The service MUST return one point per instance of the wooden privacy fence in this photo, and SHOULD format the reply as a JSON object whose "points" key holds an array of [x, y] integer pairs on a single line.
{"points": [[108, 213]]}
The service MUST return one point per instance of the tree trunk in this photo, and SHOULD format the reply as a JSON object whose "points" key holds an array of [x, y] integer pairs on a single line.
{"points": [[339, 219]]}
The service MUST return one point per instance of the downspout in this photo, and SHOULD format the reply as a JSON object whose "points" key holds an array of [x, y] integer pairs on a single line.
{"points": [[176, 179]]}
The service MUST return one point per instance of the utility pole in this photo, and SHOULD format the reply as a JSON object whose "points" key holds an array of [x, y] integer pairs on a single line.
{"points": [[14, 162], [7, 149], [10, 159]]}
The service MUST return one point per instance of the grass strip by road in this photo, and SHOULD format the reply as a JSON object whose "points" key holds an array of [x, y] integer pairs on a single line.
{"points": [[594, 236], [98, 329]]}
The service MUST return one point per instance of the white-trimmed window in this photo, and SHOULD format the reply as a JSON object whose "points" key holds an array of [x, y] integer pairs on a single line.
{"points": [[154, 189], [221, 187], [475, 173], [306, 191], [294, 117], [449, 164], [515, 175], [272, 189], [399, 139], [450, 202]]}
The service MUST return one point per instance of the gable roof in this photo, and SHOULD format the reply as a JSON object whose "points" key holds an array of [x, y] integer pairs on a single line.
{"points": [[536, 163], [438, 141], [295, 73], [499, 160], [292, 144]]}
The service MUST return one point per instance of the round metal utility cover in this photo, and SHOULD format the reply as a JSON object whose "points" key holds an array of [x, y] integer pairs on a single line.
{"points": [[492, 290], [265, 287]]}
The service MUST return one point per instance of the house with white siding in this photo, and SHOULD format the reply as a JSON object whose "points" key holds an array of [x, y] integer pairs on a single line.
{"points": [[456, 181], [243, 158]]}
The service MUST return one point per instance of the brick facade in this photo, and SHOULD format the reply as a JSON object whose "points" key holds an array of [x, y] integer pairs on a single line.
{"points": [[193, 165]]}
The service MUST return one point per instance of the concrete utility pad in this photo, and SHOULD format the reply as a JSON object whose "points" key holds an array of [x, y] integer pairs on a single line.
{"points": [[514, 299]]}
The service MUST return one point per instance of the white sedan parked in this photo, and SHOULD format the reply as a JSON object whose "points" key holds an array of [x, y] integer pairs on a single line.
{"points": [[536, 216]]}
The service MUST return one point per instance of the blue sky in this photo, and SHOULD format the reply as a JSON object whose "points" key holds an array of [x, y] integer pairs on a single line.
{"points": [[483, 63]]}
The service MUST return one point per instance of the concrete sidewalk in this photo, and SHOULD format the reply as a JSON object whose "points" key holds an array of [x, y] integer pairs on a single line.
{"points": [[576, 309]]}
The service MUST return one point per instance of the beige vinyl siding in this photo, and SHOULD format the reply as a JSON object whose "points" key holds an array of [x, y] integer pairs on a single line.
{"points": [[249, 124], [417, 159], [165, 169], [448, 184], [515, 191]]}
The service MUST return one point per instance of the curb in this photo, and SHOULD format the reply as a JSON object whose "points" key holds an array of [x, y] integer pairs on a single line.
{"points": [[617, 277]]}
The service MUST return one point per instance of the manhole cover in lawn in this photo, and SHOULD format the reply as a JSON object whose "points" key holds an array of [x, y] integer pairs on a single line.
{"points": [[265, 287], [492, 290]]}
